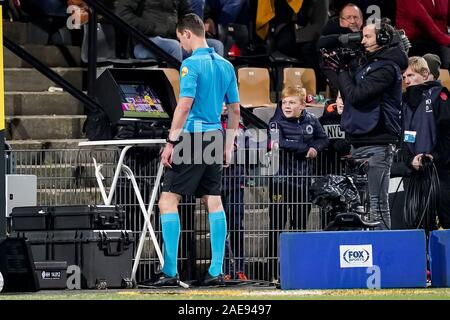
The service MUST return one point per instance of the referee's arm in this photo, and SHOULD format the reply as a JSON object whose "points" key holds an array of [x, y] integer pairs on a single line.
{"points": [[179, 117], [234, 116]]}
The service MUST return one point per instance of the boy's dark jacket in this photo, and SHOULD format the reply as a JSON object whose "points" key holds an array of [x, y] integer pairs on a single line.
{"points": [[297, 135]]}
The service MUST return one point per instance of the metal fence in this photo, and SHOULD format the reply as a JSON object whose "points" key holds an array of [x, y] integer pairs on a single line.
{"points": [[258, 206]]}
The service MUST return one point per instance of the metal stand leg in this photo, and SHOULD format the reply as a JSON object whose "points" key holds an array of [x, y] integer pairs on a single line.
{"points": [[117, 174], [147, 223], [107, 198], [100, 178], [147, 213]]}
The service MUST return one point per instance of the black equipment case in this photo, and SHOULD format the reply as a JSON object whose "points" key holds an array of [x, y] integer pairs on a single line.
{"points": [[30, 218], [88, 217], [103, 256], [17, 266], [51, 274], [78, 217]]}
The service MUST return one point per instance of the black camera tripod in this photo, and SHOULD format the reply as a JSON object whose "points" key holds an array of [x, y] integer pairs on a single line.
{"points": [[356, 216]]}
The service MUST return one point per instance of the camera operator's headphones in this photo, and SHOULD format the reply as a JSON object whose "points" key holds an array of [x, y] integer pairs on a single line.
{"points": [[385, 35]]}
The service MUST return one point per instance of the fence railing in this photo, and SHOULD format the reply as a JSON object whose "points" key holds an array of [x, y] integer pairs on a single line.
{"points": [[258, 207]]}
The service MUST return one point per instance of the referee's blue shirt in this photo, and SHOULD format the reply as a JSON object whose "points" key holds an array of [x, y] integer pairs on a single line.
{"points": [[210, 80]]}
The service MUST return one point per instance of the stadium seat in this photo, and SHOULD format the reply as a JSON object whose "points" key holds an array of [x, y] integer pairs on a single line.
{"points": [[300, 76], [445, 78], [174, 78], [254, 87], [264, 113], [316, 110]]}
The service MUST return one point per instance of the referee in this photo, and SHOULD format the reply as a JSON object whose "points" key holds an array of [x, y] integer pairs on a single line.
{"points": [[196, 153]]}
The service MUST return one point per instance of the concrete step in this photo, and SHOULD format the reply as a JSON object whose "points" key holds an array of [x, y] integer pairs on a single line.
{"points": [[65, 176], [256, 244], [44, 127], [16, 31], [44, 144], [256, 219], [47, 152], [51, 56], [27, 33], [255, 247], [27, 79], [41, 103], [255, 229], [69, 196]]}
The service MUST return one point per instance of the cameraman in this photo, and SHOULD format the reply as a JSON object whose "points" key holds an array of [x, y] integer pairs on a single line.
{"points": [[350, 20], [371, 118]]}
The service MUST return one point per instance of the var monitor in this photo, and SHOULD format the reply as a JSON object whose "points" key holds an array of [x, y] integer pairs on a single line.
{"points": [[135, 94], [140, 100]]}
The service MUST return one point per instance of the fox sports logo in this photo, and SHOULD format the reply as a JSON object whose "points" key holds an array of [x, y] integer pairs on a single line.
{"points": [[359, 256]]}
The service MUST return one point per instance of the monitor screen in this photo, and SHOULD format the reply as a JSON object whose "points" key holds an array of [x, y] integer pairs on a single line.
{"points": [[141, 101]]}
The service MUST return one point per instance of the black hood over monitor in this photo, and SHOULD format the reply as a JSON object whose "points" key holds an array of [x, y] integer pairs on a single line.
{"points": [[111, 93]]}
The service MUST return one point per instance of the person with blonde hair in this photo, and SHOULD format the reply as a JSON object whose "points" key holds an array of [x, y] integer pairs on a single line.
{"points": [[417, 72], [426, 121], [300, 138]]}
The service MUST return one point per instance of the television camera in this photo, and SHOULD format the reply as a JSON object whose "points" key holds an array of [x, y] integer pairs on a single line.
{"points": [[350, 47]]}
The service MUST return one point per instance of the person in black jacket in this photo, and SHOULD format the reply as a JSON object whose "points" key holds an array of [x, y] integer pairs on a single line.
{"points": [[350, 20], [296, 34], [300, 138], [427, 130], [157, 19], [339, 147], [373, 95]]}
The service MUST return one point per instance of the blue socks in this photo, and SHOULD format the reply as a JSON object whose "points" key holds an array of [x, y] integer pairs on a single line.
{"points": [[171, 235], [170, 223], [218, 231]]}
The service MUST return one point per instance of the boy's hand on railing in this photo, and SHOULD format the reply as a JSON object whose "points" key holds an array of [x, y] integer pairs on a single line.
{"points": [[312, 153], [275, 145]]}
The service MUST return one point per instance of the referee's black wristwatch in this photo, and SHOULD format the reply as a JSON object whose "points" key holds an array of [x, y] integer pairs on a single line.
{"points": [[172, 142]]}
